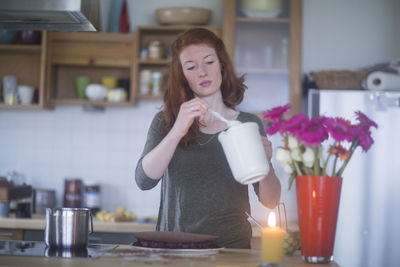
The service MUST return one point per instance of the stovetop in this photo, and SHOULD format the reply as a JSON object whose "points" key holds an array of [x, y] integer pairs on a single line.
{"points": [[39, 249]]}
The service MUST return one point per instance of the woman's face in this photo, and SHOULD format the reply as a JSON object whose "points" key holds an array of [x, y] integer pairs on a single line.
{"points": [[202, 69]]}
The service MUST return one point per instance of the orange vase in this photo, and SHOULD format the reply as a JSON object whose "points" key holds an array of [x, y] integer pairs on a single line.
{"points": [[318, 200]]}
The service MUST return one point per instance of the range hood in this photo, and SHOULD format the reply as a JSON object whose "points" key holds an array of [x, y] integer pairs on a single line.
{"points": [[52, 15]]}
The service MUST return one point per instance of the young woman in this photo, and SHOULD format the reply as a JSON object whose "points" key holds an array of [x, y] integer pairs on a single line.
{"points": [[198, 191]]}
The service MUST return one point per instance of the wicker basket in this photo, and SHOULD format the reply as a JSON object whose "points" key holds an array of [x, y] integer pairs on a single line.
{"points": [[339, 79]]}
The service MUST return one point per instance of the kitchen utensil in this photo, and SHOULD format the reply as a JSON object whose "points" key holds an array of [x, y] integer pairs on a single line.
{"points": [[43, 199], [219, 116], [254, 220], [183, 15], [68, 227], [80, 83], [25, 94], [244, 150]]}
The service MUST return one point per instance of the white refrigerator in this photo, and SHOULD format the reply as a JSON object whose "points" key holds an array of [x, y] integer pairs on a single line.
{"points": [[368, 229]]}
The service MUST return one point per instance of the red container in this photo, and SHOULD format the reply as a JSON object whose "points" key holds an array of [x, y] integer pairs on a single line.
{"points": [[318, 200]]}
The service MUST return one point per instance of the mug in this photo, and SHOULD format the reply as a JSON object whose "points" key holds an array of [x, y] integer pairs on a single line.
{"points": [[109, 82], [244, 150], [81, 82], [25, 94]]}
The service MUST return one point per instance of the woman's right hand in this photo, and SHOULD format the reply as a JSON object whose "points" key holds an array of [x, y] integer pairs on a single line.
{"points": [[195, 108]]}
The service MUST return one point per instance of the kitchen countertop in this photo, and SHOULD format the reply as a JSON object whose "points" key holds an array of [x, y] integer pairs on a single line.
{"points": [[37, 222], [124, 255]]}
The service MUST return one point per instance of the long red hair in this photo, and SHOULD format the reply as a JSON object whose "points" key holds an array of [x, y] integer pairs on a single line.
{"points": [[178, 90]]}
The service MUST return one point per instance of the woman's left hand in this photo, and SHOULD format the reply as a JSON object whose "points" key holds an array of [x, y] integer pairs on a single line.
{"points": [[267, 147]]}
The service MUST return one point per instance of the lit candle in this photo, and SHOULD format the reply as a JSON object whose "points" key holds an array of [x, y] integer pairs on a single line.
{"points": [[272, 241]]}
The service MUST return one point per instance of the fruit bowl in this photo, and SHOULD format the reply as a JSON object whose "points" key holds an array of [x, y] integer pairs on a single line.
{"points": [[183, 15]]}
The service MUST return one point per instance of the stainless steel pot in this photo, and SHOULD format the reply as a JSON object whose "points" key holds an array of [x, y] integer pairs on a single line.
{"points": [[67, 227]]}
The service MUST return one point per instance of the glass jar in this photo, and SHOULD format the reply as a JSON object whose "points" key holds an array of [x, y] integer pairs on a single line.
{"points": [[156, 50], [92, 196]]}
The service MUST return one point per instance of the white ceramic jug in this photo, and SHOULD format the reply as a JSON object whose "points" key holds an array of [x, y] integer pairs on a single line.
{"points": [[244, 150]]}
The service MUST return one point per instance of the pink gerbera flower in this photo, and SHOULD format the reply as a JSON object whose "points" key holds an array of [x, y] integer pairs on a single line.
{"points": [[365, 121], [339, 128], [294, 125], [314, 132], [276, 113], [364, 136]]}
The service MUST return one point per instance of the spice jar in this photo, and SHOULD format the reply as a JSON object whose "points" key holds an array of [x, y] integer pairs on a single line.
{"points": [[73, 193], [156, 50], [92, 196]]}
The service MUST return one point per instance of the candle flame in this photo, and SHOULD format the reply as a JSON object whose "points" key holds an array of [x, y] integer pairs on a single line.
{"points": [[272, 219], [313, 194]]}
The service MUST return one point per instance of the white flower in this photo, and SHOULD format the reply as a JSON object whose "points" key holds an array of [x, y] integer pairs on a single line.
{"points": [[283, 156], [287, 168], [293, 143], [296, 154], [309, 157]]}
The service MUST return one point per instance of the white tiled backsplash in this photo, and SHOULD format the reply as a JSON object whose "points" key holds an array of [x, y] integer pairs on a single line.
{"points": [[47, 146]]}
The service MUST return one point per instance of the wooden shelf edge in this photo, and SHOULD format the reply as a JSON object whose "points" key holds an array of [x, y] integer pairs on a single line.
{"points": [[154, 97], [20, 48], [71, 101], [22, 107], [124, 63], [154, 61], [262, 71], [262, 20]]}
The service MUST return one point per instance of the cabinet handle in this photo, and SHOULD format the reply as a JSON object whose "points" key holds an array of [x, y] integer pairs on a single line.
{"points": [[6, 234]]}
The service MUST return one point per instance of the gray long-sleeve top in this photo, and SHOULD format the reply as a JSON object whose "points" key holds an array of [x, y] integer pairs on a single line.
{"points": [[198, 192]]}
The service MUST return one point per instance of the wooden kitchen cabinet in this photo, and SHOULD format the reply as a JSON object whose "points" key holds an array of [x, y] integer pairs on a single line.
{"points": [[267, 49], [27, 63], [93, 54], [145, 36]]}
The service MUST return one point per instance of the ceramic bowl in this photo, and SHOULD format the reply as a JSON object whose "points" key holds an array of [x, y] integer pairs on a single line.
{"points": [[183, 15], [96, 91]]}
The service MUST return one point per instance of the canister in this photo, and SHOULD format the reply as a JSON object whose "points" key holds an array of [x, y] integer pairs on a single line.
{"points": [[73, 193], [92, 196]]}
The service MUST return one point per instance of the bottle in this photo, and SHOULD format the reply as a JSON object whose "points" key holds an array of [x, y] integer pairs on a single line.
{"points": [[156, 82], [92, 196], [284, 56], [145, 82]]}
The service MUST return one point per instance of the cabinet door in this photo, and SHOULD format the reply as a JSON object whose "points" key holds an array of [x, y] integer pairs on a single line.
{"points": [[265, 45]]}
